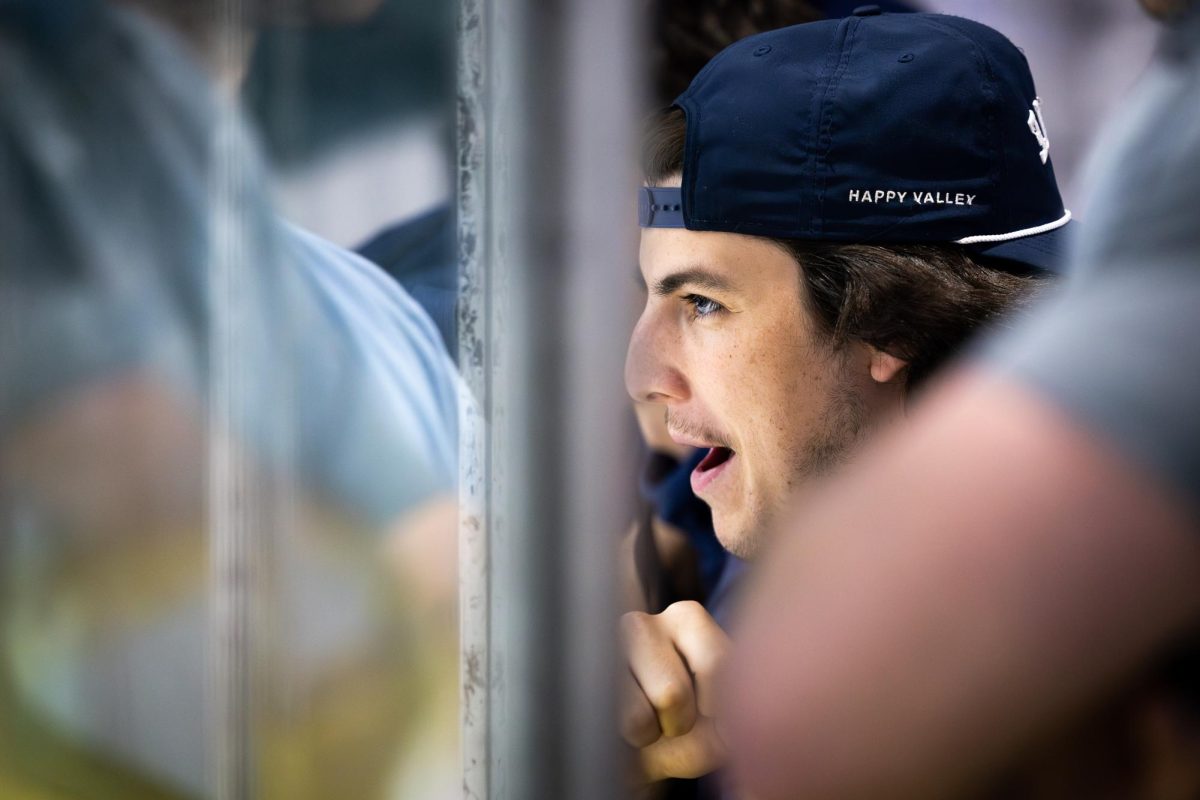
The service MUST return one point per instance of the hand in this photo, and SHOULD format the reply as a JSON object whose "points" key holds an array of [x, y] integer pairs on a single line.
{"points": [[668, 709]]}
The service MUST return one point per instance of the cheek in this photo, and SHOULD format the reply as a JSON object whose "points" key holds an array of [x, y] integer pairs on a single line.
{"points": [[787, 390], [758, 376]]}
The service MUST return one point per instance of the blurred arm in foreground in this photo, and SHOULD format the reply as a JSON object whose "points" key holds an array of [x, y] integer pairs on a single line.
{"points": [[972, 624], [1028, 545]]}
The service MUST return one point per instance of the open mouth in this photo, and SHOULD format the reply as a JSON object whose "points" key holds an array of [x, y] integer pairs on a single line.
{"points": [[711, 467]]}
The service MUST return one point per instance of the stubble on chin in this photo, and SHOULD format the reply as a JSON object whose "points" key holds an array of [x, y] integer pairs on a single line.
{"points": [[742, 540], [744, 547]]}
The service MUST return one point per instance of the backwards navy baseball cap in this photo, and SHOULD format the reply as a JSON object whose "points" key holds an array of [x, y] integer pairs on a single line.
{"points": [[877, 128]]}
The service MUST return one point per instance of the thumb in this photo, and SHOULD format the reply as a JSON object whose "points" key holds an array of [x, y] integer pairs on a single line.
{"points": [[698, 752]]}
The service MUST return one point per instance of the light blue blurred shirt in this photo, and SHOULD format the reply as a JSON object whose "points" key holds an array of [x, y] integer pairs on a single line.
{"points": [[138, 241]]}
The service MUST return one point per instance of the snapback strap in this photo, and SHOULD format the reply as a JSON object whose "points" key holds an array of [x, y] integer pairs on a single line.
{"points": [[660, 207]]}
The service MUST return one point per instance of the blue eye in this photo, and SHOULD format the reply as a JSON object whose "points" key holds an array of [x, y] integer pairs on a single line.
{"points": [[702, 306]]}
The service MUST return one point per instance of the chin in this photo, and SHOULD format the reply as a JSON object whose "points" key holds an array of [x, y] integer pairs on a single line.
{"points": [[738, 536]]}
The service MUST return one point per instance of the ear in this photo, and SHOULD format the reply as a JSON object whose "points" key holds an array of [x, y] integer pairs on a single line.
{"points": [[885, 367]]}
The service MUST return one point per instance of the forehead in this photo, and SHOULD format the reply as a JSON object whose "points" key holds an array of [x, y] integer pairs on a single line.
{"points": [[743, 262]]}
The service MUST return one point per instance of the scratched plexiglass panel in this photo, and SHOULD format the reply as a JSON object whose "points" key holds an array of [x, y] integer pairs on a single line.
{"points": [[228, 400]]}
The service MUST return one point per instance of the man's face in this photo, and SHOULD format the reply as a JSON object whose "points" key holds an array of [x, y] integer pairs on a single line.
{"points": [[727, 346]]}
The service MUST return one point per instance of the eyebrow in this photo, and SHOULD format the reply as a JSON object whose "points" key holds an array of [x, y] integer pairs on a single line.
{"points": [[695, 276]]}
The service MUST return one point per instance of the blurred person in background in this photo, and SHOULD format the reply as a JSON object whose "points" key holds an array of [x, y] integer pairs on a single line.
{"points": [[1083, 83], [182, 374], [802, 283], [1012, 580], [684, 36], [422, 254]]}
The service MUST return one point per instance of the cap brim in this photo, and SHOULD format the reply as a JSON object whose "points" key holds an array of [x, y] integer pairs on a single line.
{"points": [[1045, 251]]}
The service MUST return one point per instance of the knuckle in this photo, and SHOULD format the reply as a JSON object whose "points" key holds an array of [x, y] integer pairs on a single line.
{"points": [[685, 610], [672, 697]]}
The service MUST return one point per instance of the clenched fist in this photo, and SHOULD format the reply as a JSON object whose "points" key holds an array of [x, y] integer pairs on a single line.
{"points": [[668, 704]]}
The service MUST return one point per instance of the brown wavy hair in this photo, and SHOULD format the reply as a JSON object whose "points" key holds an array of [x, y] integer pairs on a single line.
{"points": [[686, 34]]}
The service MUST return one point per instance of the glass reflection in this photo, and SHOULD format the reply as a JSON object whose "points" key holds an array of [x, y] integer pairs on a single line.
{"points": [[227, 445]]}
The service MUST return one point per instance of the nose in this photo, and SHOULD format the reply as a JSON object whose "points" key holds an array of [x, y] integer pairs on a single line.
{"points": [[652, 371]]}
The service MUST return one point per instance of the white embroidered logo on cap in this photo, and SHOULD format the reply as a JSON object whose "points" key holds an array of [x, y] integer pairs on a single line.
{"points": [[920, 198], [1037, 126]]}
